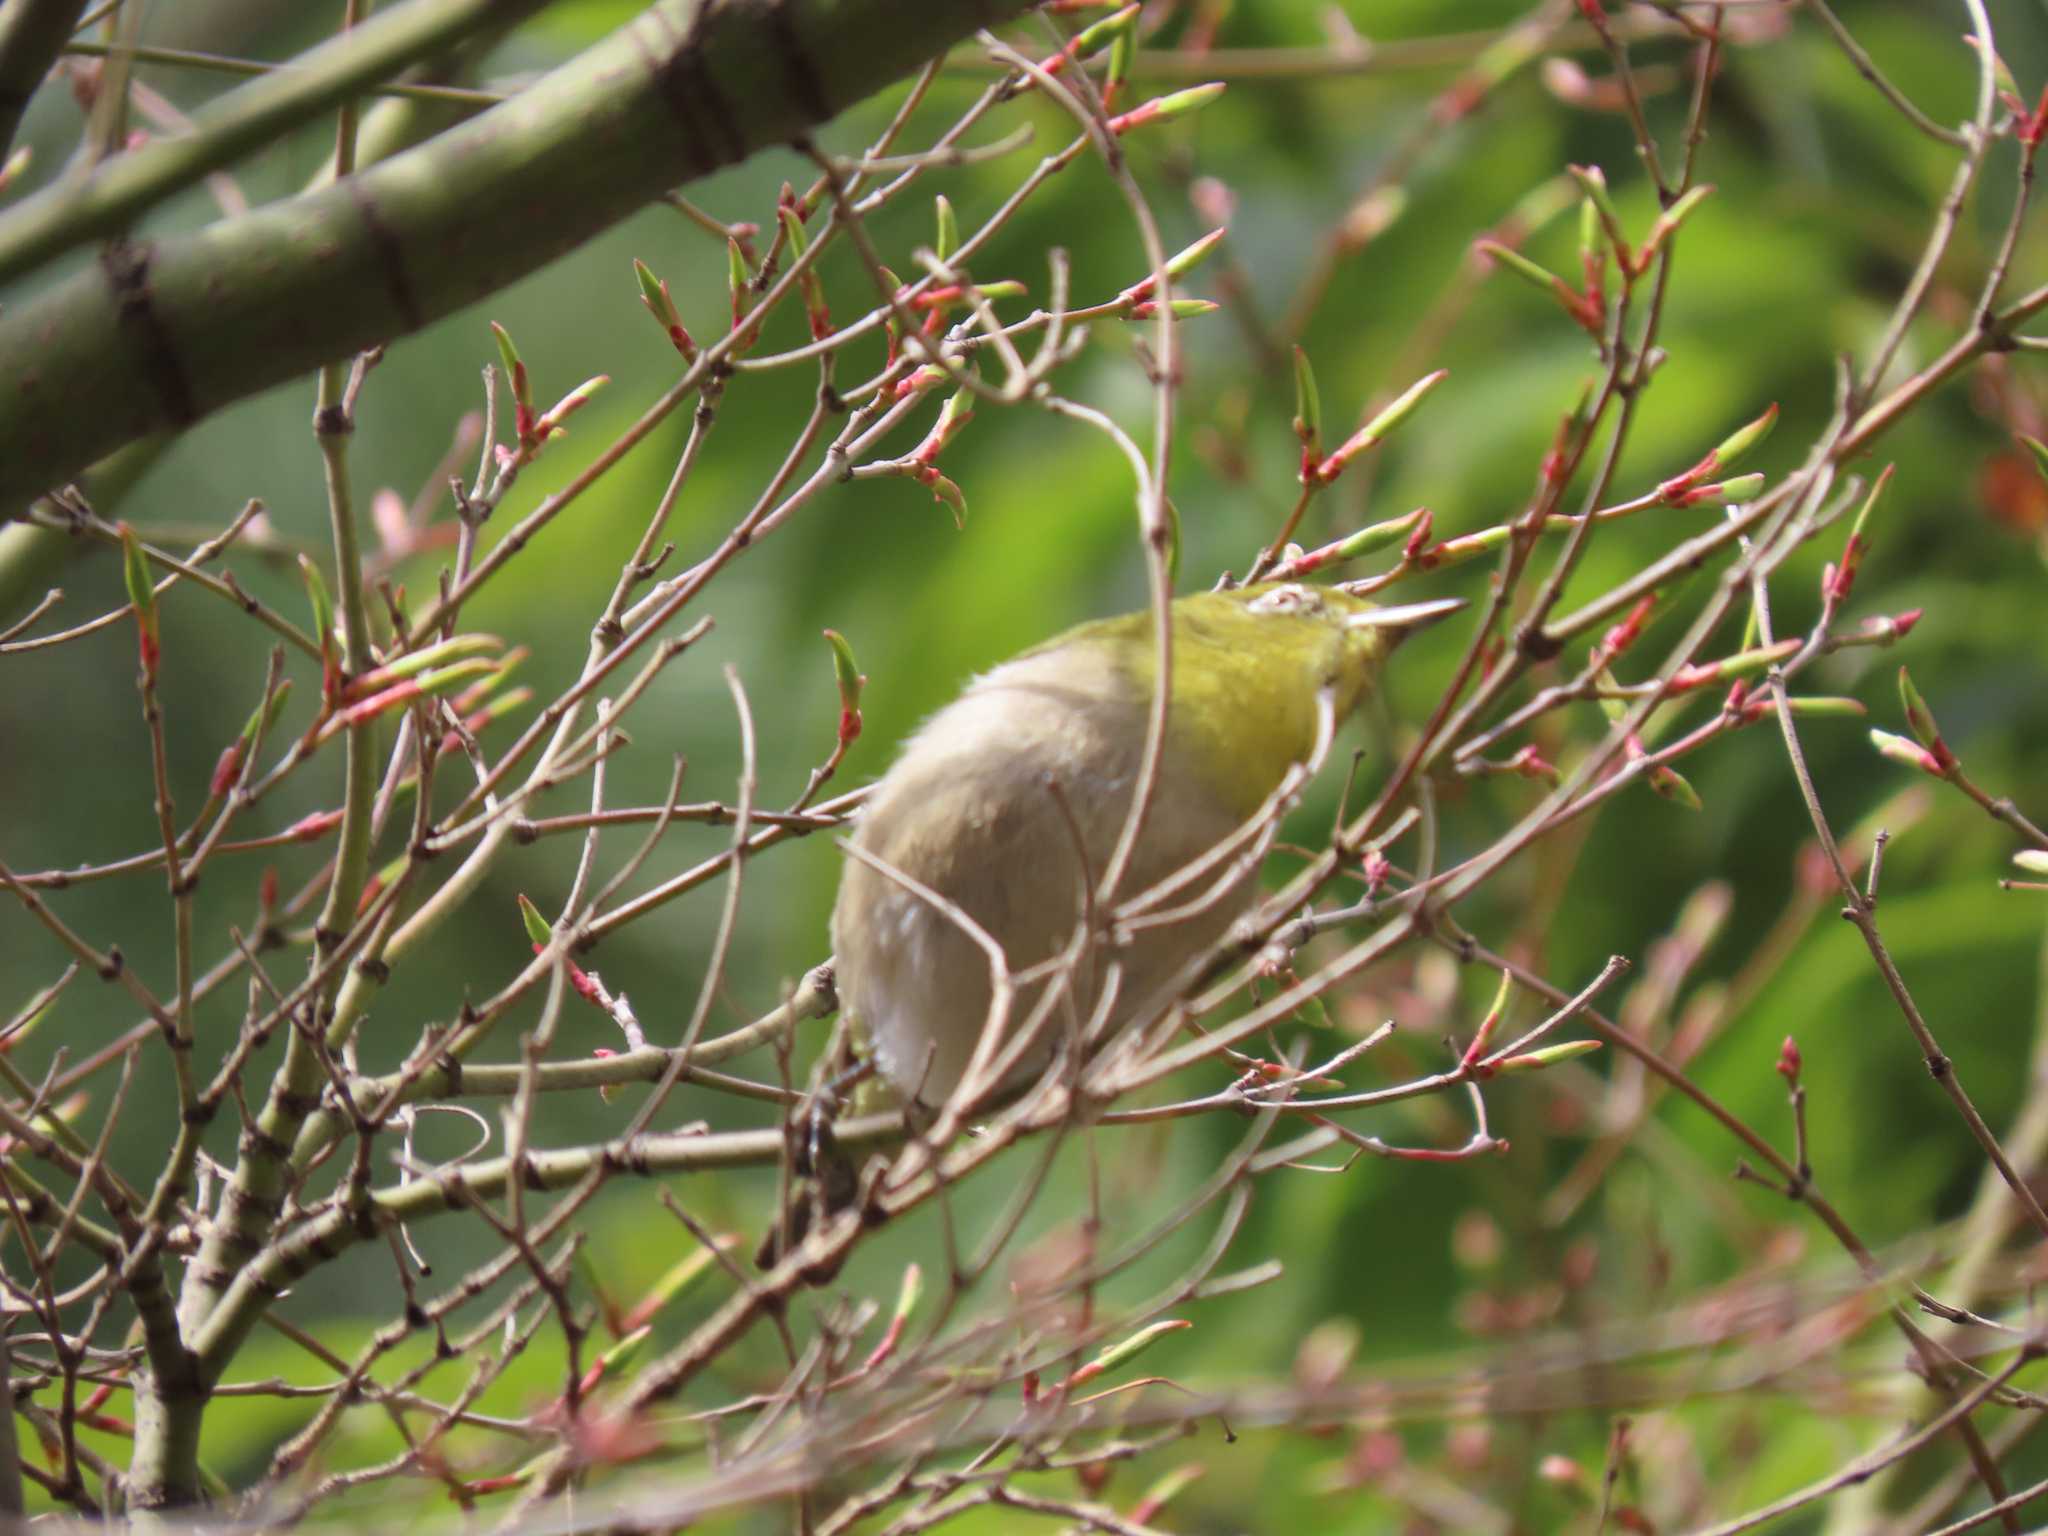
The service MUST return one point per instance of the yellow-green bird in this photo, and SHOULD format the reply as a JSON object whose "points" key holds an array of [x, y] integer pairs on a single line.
{"points": [[1006, 807]]}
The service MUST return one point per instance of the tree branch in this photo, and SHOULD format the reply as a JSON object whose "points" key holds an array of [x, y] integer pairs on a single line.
{"points": [[32, 34], [160, 333]]}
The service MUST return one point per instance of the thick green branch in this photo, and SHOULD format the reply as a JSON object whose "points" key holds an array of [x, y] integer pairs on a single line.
{"points": [[32, 34], [72, 212], [160, 333]]}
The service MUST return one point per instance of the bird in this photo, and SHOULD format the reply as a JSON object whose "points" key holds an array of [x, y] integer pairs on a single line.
{"points": [[1002, 812]]}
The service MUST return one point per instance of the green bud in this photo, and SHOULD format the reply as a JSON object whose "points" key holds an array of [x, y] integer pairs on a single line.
{"points": [[1180, 103], [135, 575], [1827, 707], [793, 230], [954, 414], [515, 368], [1841, 578], [508, 354], [1164, 1491], [1582, 407], [1403, 407], [1178, 265], [1520, 265], [1739, 442], [1494, 1014], [391, 870], [264, 715], [1115, 27], [623, 1351], [1469, 546], [1718, 493], [1907, 753], [1185, 261], [500, 705], [2001, 72], [655, 295], [1675, 787], [948, 240], [1668, 222], [1131, 1348], [677, 1281], [1499, 1007], [1161, 108], [1121, 51], [1919, 718], [1741, 664], [1593, 182], [911, 1291], [1180, 309], [1549, 1056], [25, 1025], [1374, 432], [652, 294], [537, 929], [141, 597], [323, 605], [2038, 449], [845, 670], [1313, 1012], [441, 679], [846, 674], [1379, 535], [947, 491], [416, 662], [1308, 405], [908, 1294], [1611, 705], [368, 707], [550, 423], [1371, 216]]}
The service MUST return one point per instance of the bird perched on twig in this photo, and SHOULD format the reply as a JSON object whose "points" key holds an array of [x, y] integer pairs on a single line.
{"points": [[985, 843]]}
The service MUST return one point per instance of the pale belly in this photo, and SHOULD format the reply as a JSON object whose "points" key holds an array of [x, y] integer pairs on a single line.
{"points": [[1001, 809]]}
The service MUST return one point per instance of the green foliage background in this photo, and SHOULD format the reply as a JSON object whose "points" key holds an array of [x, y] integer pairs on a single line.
{"points": [[1823, 198]]}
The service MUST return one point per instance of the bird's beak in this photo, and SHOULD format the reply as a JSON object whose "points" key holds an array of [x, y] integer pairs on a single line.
{"points": [[1406, 617]]}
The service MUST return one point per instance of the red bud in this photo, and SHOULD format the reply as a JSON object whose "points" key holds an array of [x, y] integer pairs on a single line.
{"points": [[226, 769], [308, 829]]}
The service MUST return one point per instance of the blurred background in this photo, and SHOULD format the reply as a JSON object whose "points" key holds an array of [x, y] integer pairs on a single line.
{"points": [[1423, 1276]]}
